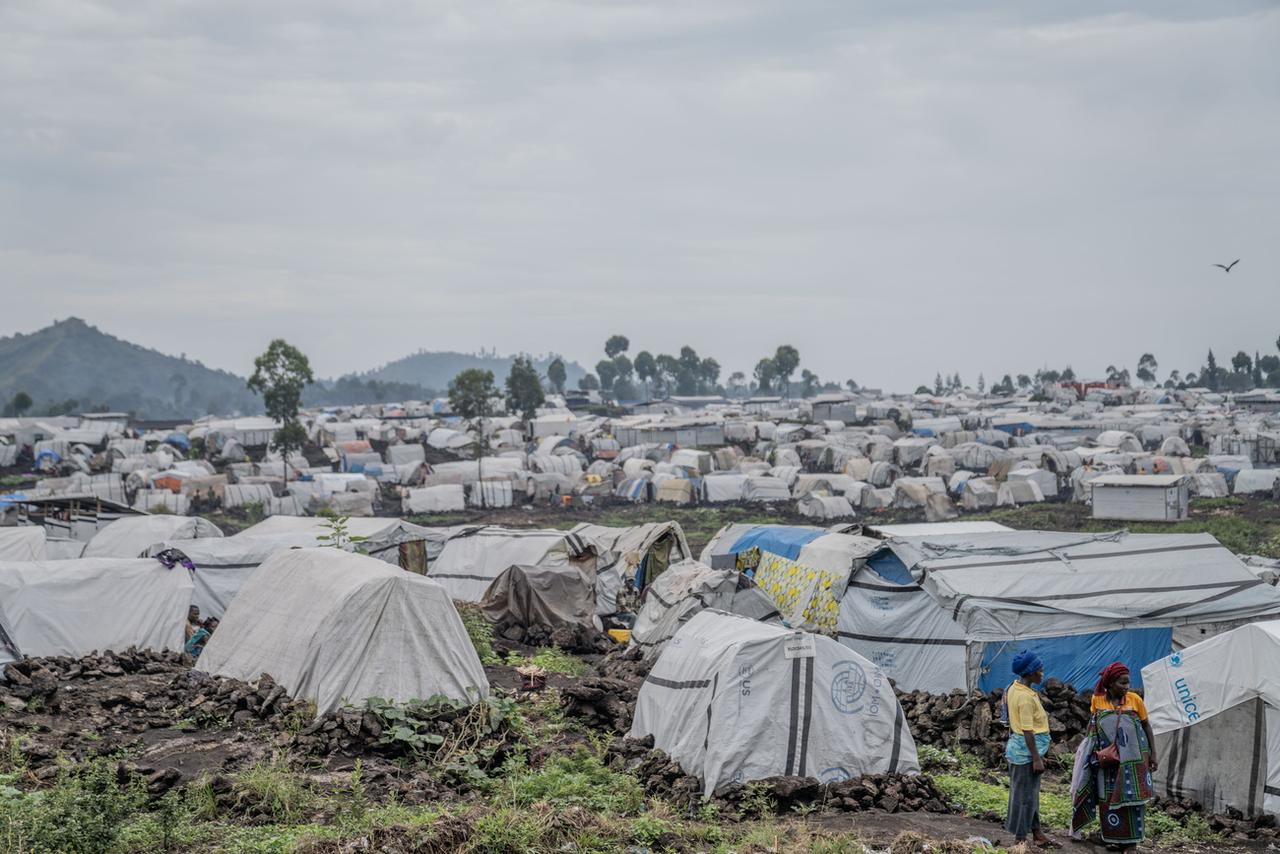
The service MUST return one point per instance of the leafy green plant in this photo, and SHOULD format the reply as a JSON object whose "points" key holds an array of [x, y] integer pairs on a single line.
{"points": [[647, 830], [758, 801], [83, 813], [337, 535]]}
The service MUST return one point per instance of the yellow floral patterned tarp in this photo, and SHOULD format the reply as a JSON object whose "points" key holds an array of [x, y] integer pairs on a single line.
{"points": [[802, 593]]}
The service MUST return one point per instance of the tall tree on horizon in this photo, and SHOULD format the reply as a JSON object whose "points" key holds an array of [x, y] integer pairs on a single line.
{"points": [[279, 375]]}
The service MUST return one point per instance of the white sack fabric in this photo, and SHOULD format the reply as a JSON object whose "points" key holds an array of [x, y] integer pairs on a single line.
{"points": [[130, 536], [335, 628], [733, 700], [76, 607]]}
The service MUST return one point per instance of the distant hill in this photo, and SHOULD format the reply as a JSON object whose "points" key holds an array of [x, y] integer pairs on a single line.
{"points": [[434, 370], [74, 367]]}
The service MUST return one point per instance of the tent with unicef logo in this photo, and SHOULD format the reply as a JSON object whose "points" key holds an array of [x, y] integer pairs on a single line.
{"points": [[734, 700], [1215, 711]]}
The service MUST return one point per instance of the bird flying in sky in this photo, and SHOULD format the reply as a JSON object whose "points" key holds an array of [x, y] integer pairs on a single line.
{"points": [[1228, 267]]}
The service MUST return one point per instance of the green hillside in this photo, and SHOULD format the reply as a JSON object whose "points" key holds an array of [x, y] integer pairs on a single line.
{"points": [[434, 370], [72, 366]]}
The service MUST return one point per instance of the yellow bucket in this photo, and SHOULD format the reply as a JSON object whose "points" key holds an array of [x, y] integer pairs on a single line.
{"points": [[620, 635]]}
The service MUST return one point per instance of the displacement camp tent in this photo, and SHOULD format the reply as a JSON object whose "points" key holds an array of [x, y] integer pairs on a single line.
{"points": [[393, 541], [336, 627], [688, 588], [734, 700], [130, 536], [804, 570], [1079, 600], [641, 553], [76, 607], [548, 596], [224, 564], [25, 542], [1215, 711], [473, 559]]}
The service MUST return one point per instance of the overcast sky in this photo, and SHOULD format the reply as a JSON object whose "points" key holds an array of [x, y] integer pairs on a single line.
{"points": [[894, 188]]}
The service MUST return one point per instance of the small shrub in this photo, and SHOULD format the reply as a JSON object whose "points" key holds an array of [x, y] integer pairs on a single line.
{"points": [[84, 813]]}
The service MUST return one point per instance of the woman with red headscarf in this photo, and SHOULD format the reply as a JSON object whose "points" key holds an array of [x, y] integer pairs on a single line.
{"points": [[1115, 762]]}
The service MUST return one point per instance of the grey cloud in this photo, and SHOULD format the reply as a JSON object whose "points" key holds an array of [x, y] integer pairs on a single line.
{"points": [[894, 188]]}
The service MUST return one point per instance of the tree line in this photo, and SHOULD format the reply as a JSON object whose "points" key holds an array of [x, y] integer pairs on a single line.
{"points": [[1244, 374]]}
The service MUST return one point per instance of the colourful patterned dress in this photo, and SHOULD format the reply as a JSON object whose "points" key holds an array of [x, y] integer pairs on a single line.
{"points": [[1119, 794]]}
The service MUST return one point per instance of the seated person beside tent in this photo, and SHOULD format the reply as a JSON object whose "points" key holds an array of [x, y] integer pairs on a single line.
{"points": [[195, 643], [193, 622]]}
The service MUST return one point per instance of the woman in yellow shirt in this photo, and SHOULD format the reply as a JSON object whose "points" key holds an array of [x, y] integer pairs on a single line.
{"points": [[1025, 751], [1119, 789]]}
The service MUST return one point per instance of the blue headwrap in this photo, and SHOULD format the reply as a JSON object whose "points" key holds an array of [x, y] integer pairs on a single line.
{"points": [[1026, 662]]}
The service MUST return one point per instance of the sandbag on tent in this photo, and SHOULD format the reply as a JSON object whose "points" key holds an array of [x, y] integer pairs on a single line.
{"points": [[733, 700], [546, 596], [336, 628], [688, 588], [23, 543], [130, 536], [74, 607], [474, 557]]}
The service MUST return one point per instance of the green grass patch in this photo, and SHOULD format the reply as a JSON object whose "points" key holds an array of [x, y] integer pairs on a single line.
{"points": [[580, 779], [552, 660], [480, 631]]}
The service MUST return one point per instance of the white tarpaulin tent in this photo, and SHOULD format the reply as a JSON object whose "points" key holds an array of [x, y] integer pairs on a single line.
{"points": [[734, 700], [1215, 711], [638, 554], [1029, 584], [130, 536], [26, 542], [223, 564], [382, 537], [335, 627], [74, 607], [688, 588], [472, 559]]}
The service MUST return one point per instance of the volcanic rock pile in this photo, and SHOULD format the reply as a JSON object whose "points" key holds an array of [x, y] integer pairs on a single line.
{"points": [[971, 722], [662, 775]]}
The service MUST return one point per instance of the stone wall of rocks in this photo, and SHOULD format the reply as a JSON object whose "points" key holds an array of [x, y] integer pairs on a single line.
{"points": [[971, 722], [662, 775]]}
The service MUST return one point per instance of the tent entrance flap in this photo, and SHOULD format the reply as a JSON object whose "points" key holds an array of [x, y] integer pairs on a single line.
{"points": [[1077, 659]]}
